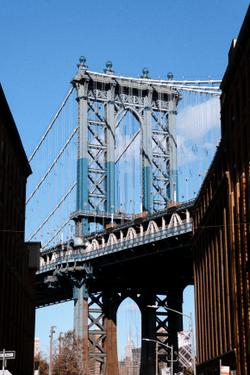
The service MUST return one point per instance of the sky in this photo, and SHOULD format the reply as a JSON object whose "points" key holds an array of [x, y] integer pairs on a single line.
{"points": [[41, 42]]}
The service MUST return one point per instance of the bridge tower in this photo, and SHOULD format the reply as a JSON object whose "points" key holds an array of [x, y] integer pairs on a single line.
{"points": [[105, 103]]}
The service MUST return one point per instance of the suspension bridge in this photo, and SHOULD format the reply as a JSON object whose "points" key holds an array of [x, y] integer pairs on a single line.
{"points": [[114, 178]]}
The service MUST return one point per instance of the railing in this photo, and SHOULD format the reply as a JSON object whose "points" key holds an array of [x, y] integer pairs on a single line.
{"points": [[82, 255]]}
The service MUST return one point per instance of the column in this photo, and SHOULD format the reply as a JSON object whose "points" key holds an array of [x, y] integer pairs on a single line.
{"points": [[110, 342], [147, 199], [173, 148], [148, 321], [175, 320], [110, 158], [82, 154], [80, 295]]}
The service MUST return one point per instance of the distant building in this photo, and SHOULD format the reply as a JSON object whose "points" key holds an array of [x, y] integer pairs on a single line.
{"points": [[18, 261], [36, 346], [129, 347], [136, 357], [221, 240], [185, 349], [36, 355], [131, 363]]}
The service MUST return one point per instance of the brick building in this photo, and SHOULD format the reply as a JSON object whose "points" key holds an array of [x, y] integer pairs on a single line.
{"points": [[17, 259], [222, 228]]}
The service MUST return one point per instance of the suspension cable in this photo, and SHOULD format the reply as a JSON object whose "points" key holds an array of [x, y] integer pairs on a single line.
{"points": [[52, 212], [184, 88], [57, 232], [52, 165], [157, 81], [51, 124], [205, 88]]}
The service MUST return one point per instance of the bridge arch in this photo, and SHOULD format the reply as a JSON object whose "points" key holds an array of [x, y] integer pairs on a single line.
{"points": [[112, 240], [95, 244], [125, 110], [152, 227], [129, 332], [128, 159], [131, 234], [175, 221]]}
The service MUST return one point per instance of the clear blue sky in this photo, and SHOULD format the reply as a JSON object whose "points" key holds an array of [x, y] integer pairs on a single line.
{"points": [[41, 42]]}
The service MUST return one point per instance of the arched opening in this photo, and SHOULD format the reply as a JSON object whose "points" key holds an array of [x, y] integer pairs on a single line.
{"points": [[188, 305], [129, 337], [128, 162]]}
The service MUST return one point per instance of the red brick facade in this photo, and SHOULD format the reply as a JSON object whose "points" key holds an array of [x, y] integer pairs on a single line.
{"points": [[222, 228]]}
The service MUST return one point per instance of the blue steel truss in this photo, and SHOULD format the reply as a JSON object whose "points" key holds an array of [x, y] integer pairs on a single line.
{"points": [[104, 100]]}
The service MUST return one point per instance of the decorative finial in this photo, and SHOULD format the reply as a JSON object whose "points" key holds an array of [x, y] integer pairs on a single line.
{"points": [[82, 64], [108, 69], [170, 76], [145, 72]]}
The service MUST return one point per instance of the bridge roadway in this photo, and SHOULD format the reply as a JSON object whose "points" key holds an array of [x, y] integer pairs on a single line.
{"points": [[149, 253]]}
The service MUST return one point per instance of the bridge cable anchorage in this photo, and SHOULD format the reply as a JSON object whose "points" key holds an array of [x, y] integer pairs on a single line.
{"points": [[57, 232], [52, 212], [52, 165], [51, 124]]}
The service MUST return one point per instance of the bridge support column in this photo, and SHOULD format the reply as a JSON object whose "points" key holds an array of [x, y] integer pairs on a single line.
{"points": [[175, 320], [82, 227], [147, 199], [80, 294], [110, 157], [173, 177], [110, 341], [148, 322]]}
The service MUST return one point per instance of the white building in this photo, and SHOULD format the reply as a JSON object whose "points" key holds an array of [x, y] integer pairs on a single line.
{"points": [[36, 346]]}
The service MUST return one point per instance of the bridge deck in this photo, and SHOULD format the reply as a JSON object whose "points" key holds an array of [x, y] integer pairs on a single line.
{"points": [[153, 260]]}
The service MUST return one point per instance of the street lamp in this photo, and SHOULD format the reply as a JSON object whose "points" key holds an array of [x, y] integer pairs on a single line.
{"points": [[157, 342], [52, 331], [190, 317]]}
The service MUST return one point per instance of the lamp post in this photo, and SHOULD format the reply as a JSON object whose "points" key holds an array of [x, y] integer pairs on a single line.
{"points": [[157, 343], [52, 331], [190, 317]]}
